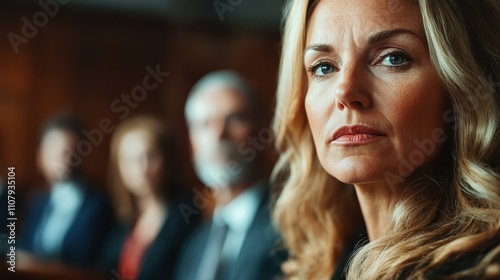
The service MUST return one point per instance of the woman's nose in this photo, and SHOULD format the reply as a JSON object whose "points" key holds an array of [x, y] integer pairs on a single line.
{"points": [[352, 89]]}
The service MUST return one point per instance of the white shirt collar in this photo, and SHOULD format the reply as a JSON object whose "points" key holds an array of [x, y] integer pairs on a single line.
{"points": [[65, 202], [239, 213], [66, 196]]}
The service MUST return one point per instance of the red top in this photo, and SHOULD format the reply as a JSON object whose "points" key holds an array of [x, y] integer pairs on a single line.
{"points": [[131, 258]]}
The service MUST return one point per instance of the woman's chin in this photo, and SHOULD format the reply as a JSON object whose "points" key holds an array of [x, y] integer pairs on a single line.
{"points": [[357, 173]]}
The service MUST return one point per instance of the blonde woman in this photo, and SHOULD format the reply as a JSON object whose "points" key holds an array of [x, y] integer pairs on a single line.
{"points": [[387, 123]]}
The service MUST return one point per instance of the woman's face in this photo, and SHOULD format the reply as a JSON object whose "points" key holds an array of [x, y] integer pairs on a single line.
{"points": [[374, 102], [140, 163]]}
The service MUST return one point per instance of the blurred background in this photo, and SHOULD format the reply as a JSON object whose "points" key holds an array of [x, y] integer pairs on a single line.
{"points": [[84, 57]]}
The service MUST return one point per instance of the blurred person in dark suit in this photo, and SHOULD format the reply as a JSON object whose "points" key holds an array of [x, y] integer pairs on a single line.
{"points": [[239, 241], [144, 176], [68, 221]]}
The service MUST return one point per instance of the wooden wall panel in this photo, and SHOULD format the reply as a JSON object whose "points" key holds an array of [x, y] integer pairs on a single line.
{"points": [[82, 62]]}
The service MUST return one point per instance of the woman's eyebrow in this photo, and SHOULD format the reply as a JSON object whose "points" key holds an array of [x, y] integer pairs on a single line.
{"points": [[319, 48], [386, 34]]}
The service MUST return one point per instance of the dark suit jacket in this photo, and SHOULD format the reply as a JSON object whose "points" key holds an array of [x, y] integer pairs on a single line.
{"points": [[259, 258], [160, 258], [84, 239]]}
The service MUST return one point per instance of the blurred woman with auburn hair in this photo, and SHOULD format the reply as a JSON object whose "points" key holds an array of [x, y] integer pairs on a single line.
{"points": [[387, 123], [143, 174]]}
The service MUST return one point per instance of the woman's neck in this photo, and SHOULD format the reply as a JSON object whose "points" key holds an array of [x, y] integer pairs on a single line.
{"points": [[152, 214], [377, 201], [150, 203]]}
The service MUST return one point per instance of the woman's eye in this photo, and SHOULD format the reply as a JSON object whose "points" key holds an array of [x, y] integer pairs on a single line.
{"points": [[395, 59], [322, 70]]}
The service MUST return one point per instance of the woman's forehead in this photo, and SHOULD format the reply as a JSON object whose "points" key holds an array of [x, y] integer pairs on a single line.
{"points": [[358, 17]]}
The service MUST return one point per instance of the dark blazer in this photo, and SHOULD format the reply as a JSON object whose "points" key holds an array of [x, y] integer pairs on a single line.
{"points": [[160, 258], [84, 239], [259, 258], [442, 272], [359, 239]]}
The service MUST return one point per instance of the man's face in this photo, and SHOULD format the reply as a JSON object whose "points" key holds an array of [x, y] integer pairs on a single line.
{"points": [[55, 154], [219, 124]]}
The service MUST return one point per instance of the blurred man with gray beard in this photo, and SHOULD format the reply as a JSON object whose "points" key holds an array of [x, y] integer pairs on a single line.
{"points": [[239, 241]]}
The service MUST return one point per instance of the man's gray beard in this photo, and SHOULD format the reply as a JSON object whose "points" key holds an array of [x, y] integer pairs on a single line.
{"points": [[236, 169]]}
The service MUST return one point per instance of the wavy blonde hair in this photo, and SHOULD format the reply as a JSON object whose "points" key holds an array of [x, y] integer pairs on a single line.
{"points": [[452, 215]]}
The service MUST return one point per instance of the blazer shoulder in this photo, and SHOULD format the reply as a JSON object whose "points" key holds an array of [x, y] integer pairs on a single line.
{"points": [[468, 261]]}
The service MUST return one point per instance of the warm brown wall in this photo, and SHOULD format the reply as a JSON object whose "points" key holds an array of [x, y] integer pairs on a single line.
{"points": [[82, 62]]}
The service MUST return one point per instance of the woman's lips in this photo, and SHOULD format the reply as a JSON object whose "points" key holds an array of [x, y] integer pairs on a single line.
{"points": [[355, 134]]}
